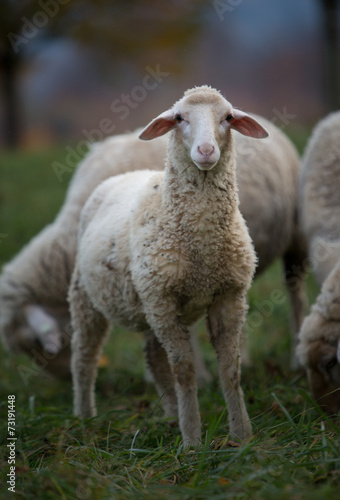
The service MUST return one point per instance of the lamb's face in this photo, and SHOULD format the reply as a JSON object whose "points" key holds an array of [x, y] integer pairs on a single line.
{"points": [[202, 120], [204, 130], [323, 371]]}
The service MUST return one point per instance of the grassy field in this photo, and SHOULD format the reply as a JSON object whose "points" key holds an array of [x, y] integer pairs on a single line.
{"points": [[130, 450]]}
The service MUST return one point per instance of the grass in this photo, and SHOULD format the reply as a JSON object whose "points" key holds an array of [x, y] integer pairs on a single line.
{"points": [[131, 450]]}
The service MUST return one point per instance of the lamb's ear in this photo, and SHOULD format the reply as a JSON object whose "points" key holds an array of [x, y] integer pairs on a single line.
{"points": [[159, 126], [246, 125]]}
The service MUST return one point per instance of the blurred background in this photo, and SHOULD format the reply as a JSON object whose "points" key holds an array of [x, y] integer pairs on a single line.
{"points": [[79, 70]]}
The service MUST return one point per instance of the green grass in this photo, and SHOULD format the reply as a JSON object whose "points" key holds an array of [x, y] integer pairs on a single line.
{"points": [[131, 450]]}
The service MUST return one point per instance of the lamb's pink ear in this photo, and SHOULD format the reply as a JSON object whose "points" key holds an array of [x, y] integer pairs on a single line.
{"points": [[159, 126], [247, 125]]}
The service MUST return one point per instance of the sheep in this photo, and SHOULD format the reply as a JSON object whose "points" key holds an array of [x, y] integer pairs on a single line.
{"points": [[319, 338], [159, 250], [34, 315], [267, 175]]}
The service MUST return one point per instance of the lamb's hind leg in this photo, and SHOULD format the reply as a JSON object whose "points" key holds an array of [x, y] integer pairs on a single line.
{"points": [[161, 372], [89, 333], [225, 322]]}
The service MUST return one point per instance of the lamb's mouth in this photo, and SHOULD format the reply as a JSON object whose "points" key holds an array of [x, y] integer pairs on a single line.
{"points": [[204, 166]]}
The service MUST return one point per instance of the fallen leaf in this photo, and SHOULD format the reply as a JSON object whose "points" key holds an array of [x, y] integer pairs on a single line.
{"points": [[222, 481], [103, 361]]}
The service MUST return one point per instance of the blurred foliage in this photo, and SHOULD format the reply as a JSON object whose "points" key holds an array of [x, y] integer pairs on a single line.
{"points": [[118, 28]]}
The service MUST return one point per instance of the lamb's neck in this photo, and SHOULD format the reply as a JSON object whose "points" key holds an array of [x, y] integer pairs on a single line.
{"points": [[190, 189]]}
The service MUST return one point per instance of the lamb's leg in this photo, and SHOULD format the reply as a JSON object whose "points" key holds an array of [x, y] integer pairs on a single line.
{"points": [[175, 339], [89, 333], [203, 376], [225, 321], [158, 363]]}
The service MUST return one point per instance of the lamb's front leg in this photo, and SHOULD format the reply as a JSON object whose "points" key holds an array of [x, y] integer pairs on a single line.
{"points": [[90, 330], [225, 321], [175, 339]]}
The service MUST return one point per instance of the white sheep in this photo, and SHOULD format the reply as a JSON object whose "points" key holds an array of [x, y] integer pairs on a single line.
{"points": [[157, 251], [34, 314], [267, 175], [319, 338]]}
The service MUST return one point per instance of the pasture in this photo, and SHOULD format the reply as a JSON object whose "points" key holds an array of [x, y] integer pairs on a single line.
{"points": [[131, 450]]}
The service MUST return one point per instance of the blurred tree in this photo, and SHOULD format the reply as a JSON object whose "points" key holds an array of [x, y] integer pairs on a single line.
{"points": [[332, 52], [118, 28]]}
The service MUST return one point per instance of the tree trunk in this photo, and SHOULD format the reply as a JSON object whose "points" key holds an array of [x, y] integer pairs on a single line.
{"points": [[10, 63], [332, 53]]}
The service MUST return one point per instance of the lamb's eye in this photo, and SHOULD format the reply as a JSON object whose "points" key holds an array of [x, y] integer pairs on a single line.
{"points": [[229, 117], [178, 118]]}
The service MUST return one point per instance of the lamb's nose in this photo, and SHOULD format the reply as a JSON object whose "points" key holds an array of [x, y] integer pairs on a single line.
{"points": [[206, 149]]}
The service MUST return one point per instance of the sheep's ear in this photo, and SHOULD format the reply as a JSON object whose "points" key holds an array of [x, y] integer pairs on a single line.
{"points": [[159, 126], [246, 125]]}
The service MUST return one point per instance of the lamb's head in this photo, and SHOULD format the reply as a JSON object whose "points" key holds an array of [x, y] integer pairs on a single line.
{"points": [[319, 353], [201, 122]]}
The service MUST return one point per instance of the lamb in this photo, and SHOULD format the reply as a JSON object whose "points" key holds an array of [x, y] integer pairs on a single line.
{"points": [[319, 338], [34, 315], [157, 251]]}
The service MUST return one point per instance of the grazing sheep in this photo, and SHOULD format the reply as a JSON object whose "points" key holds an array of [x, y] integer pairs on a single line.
{"points": [[267, 176], [319, 338], [34, 313], [159, 250]]}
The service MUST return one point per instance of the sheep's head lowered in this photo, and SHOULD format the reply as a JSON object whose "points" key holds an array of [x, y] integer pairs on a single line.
{"points": [[41, 334], [319, 345]]}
